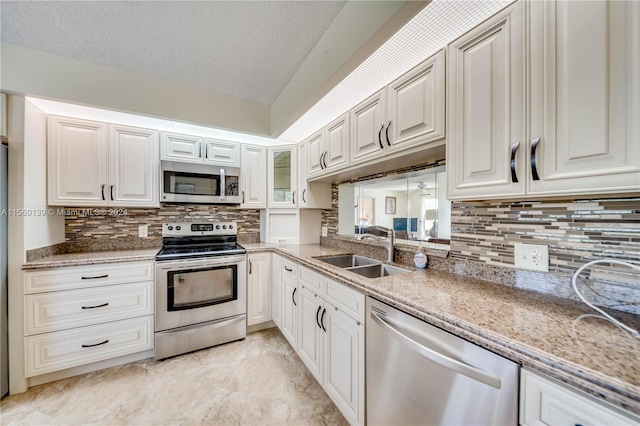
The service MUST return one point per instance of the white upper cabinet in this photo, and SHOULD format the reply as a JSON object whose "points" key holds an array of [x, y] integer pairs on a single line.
{"points": [[96, 164], [486, 108], [253, 177], [367, 123], [78, 162], [183, 148], [221, 153], [133, 167], [283, 175], [336, 144], [573, 131], [416, 105], [314, 147], [585, 97]]}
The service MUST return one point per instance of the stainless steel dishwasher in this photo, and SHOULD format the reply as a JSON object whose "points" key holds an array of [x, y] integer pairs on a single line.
{"points": [[418, 374]]}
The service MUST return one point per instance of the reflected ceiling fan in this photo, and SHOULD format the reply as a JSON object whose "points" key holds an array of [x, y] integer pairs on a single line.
{"points": [[424, 189]]}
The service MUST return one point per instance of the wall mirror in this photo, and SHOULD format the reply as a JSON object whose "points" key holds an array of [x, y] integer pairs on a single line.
{"points": [[414, 205]]}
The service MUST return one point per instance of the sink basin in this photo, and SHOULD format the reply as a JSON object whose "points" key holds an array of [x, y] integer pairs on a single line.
{"points": [[377, 271], [349, 261]]}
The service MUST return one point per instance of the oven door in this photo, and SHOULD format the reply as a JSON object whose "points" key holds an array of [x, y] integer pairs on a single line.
{"points": [[193, 291]]}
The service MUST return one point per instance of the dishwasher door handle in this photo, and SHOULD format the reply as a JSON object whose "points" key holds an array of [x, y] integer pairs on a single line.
{"points": [[438, 358]]}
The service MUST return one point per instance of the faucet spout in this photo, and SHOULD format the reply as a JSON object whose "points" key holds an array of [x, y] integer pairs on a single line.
{"points": [[388, 242]]}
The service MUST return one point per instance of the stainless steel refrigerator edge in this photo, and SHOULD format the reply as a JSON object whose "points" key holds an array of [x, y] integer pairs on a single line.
{"points": [[418, 374], [4, 359]]}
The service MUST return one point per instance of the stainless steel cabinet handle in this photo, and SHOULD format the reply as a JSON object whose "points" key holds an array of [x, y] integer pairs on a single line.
{"points": [[96, 306], [102, 190], [386, 132], [111, 192], [304, 191], [97, 344], [317, 319], [514, 149], [293, 296], [324, 159], [438, 358], [534, 164], [93, 278], [324, 311], [380, 137]]}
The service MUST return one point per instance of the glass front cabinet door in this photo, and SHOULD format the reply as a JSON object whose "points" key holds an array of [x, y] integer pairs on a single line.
{"points": [[283, 177]]}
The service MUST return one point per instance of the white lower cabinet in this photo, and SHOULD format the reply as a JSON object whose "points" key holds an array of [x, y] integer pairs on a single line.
{"points": [[289, 313], [259, 288], [85, 314], [276, 286], [311, 335], [544, 401]]}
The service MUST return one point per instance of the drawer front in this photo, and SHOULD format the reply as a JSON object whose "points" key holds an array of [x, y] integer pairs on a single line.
{"points": [[289, 268], [87, 276], [61, 310], [65, 349], [311, 281], [545, 402], [346, 299]]}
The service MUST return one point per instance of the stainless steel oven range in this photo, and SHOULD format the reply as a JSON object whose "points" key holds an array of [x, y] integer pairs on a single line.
{"points": [[201, 287]]}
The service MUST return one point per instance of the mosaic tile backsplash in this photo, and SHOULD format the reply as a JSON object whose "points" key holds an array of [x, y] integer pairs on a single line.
{"points": [[83, 226]]}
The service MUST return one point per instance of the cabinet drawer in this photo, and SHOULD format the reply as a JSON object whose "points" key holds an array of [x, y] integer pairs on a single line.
{"points": [[65, 349], [347, 300], [289, 268], [545, 402], [311, 280], [87, 276], [46, 312]]}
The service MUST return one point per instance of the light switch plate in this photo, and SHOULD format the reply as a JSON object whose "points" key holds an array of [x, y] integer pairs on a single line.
{"points": [[324, 231], [143, 231], [533, 257]]}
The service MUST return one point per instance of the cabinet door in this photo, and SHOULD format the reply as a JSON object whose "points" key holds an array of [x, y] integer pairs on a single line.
{"points": [[183, 148], [311, 335], [253, 177], [221, 153], [289, 318], [303, 174], [336, 154], [276, 281], [344, 363], [367, 124], [282, 182], [78, 162], [133, 167], [585, 88], [486, 109], [315, 150], [259, 288], [416, 105]]}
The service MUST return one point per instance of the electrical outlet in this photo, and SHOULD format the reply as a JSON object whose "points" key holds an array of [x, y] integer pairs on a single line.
{"points": [[531, 256], [143, 231], [324, 231]]}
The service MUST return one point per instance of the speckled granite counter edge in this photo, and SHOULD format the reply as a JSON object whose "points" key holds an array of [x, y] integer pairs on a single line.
{"points": [[610, 389], [110, 257]]}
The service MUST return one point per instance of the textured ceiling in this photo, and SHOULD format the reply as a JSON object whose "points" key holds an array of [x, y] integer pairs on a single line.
{"points": [[248, 50]]}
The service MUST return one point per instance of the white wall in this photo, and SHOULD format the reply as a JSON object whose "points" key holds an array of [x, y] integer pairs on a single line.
{"points": [[40, 230]]}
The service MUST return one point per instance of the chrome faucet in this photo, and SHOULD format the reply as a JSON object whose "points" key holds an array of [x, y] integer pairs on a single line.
{"points": [[388, 242]]}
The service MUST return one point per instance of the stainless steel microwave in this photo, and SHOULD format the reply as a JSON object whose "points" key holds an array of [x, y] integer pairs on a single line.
{"points": [[199, 183]]}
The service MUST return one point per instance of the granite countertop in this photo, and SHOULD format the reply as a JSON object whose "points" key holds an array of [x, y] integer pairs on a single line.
{"points": [[91, 258], [555, 336]]}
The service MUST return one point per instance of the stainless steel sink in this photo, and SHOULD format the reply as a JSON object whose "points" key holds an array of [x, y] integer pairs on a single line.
{"points": [[377, 271], [349, 261]]}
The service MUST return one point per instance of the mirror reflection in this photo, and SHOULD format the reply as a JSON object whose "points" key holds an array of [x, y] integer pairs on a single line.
{"points": [[413, 205]]}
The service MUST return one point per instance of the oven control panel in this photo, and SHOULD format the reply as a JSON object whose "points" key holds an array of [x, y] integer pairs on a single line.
{"points": [[183, 229]]}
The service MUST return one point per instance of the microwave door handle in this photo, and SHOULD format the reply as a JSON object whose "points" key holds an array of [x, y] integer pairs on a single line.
{"points": [[222, 183]]}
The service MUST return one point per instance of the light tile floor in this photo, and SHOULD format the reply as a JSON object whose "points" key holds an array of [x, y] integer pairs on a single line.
{"points": [[259, 380]]}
